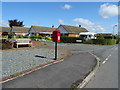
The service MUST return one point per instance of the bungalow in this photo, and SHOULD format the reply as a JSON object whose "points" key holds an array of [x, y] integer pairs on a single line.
{"points": [[41, 31], [17, 30], [4, 30], [74, 31], [20, 30]]}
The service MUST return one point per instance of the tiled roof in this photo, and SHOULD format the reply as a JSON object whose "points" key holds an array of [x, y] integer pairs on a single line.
{"points": [[74, 29], [20, 29], [43, 29], [5, 29]]}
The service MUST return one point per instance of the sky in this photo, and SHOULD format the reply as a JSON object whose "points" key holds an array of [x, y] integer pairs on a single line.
{"points": [[94, 16]]}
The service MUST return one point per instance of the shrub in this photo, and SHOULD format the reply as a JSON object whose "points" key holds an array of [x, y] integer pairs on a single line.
{"points": [[20, 36], [4, 46], [11, 35], [66, 39], [25, 37], [107, 37], [39, 37], [100, 36], [101, 41], [89, 41], [36, 37], [48, 38], [4, 36]]}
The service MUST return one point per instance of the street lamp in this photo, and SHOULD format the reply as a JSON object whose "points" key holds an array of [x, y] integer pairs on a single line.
{"points": [[113, 31]]}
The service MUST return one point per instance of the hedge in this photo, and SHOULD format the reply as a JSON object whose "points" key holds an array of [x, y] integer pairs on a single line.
{"points": [[102, 41], [36, 37], [66, 39]]}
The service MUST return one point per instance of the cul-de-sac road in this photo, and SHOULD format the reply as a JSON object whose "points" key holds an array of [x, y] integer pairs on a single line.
{"points": [[106, 76]]}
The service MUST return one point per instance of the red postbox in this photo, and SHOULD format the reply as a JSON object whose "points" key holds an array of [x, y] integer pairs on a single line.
{"points": [[56, 36]]}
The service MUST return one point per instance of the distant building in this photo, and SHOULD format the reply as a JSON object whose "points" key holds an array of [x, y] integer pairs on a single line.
{"points": [[88, 35], [4, 30], [20, 30], [41, 31], [74, 31], [105, 34], [17, 30]]}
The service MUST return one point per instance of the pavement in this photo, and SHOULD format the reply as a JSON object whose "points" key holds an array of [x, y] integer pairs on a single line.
{"points": [[60, 75]]}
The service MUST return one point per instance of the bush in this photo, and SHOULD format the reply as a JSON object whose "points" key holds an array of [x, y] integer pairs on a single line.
{"points": [[100, 36], [107, 37], [48, 38], [11, 35], [101, 41], [36, 37], [4, 36], [5, 46], [89, 41], [20, 36], [66, 39]]}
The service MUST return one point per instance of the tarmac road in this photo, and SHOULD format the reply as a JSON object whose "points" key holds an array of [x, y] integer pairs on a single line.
{"points": [[107, 75]]}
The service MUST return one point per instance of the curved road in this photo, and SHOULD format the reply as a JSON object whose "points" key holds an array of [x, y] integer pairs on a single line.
{"points": [[107, 75]]}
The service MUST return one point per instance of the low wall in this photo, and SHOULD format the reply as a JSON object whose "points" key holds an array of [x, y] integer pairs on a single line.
{"points": [[36, 43]]}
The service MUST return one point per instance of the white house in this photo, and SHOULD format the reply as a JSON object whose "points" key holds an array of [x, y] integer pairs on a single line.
{"points": [[88, 35]]}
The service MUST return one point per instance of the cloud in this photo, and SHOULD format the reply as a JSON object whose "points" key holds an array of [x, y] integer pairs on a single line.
{"points": [[66, 6], [108, 10], [83, 21], [61, 21], [4, 23], [89, 25]]}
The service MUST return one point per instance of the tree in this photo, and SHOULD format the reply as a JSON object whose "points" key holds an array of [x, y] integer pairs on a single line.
{"points": [[15, 22], [100, 36]]}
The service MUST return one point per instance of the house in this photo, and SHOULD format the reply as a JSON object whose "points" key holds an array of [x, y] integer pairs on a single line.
{"points": [[4, 30], [20, 30], [74, 31], [17, 30], [41, 31]]}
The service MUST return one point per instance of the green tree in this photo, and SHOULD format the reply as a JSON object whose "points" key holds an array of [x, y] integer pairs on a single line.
{"points": [[15, 22], [100, 36]]}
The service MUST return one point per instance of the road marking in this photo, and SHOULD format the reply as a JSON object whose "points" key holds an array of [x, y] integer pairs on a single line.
{"points": [[106, 59], [103, 62]]}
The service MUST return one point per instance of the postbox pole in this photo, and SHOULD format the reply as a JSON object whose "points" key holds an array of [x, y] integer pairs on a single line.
{"points": [[55, 50]]}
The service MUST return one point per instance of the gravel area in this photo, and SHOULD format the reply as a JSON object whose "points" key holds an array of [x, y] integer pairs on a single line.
{"points": [[20, 60]]}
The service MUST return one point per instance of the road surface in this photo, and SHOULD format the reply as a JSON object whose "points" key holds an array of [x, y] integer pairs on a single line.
{"points": [[107, 75]]}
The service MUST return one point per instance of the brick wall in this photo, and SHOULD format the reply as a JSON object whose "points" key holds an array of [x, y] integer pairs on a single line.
{"points": [[73, 35], [36, 43]]}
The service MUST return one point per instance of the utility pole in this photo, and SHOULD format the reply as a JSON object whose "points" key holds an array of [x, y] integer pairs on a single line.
{"points": [[113, 31]]}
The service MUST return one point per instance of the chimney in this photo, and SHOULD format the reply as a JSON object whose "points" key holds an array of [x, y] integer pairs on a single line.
{"points": [[52, 26], [79, 25]]}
